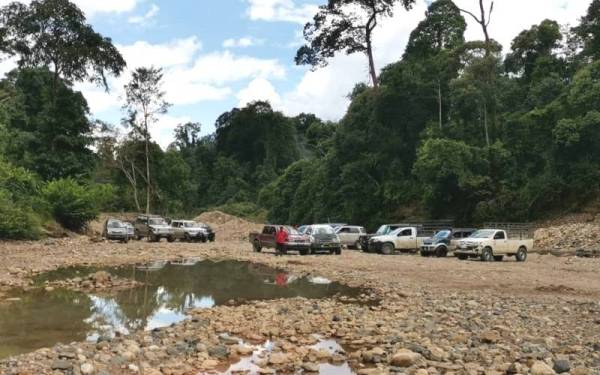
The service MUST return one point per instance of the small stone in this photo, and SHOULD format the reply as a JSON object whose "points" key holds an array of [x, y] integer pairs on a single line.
{"points": [[490, 337], [562, 366], [61, 365], [87, 369], [541, 368], [278, 358], [310, 367], [405, 358], [133, 368]]}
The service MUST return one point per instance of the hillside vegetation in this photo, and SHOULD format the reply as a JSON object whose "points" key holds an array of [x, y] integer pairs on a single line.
{"points": [[453, 129]]}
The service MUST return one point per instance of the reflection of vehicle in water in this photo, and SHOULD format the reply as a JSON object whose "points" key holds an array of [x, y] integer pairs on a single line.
{"points": [[185, 262], [153, 266]]}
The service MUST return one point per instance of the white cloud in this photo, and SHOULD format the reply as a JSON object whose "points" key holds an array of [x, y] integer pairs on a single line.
{"points": [[147, 17], [162, 131], [225, 67], [259, 89], [244, 42], [176, 52], [280, 10], [92, 7]]}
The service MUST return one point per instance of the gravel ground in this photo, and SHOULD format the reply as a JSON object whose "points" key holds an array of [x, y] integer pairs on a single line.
{"points": [[435, 316]]}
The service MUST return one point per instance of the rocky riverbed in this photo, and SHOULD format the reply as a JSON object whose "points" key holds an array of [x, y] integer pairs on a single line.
{"points": [[434, 316]]}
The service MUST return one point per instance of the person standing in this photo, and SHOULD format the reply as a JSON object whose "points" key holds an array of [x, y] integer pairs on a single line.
{"points": [[281, 238]]}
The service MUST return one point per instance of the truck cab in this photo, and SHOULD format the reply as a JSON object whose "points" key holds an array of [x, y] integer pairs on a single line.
{"points": [[402, 239], [444, 241]]}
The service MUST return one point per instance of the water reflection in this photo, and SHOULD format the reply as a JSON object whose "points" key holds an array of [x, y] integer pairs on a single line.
{"points": [[42, 319]]}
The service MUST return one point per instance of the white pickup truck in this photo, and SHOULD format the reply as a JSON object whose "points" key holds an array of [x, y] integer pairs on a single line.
{"points": [[493, 244], [402, 239]]}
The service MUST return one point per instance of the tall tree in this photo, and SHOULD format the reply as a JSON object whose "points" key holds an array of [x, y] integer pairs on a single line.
{"points": [[432, 45], [54, 34], [145, 102], [484, 21], [345, 25], [589, 31], [47, 128]]}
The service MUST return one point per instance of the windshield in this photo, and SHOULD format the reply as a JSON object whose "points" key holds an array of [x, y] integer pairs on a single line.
{"points": [[483, 234], [115, 224], [382, 229], [323, 230], [442, 234], [157, 222]]}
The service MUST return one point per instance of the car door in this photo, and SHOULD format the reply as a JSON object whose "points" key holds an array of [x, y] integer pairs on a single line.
{"points": [[500, 242], [353, 236], [344, 235], [405, 239]]}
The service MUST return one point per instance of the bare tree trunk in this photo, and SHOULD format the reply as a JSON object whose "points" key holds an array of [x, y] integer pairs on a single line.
{"points": [[371, 24], [440, 108], [135, 192], [484, 23], [485, 124], [147, 177]]}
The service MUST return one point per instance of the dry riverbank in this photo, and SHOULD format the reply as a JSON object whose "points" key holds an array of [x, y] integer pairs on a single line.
{"points": [[435, 315]]}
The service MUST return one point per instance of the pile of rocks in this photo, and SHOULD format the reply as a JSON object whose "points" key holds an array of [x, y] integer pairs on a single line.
{"points": [[100, 281], [568, 238], [228, 227]]}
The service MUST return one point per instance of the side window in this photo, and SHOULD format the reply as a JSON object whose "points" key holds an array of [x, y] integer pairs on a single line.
{"points": [[457, 235], [344, 230], [266, 230], [499, 236], [406, 232]]}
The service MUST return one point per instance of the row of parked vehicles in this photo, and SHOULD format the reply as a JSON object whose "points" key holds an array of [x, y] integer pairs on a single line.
{"points": [[429, 239], [154, 228]]}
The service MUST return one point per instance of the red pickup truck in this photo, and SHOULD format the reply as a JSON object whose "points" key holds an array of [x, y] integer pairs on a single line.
{"points": [[266, 239]]}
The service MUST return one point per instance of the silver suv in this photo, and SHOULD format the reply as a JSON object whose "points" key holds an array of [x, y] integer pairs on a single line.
{"points": [[188, 230], [154, 228], [350, 235]]}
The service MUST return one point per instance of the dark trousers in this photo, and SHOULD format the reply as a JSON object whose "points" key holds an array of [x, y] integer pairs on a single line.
{"points": [[280, 249]]}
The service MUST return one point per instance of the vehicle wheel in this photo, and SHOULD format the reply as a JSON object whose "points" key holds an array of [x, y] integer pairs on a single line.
{"points": [[487, 255], [304, 252], [257, 247], [338, 251], [462, 257], [170, 239], [387, 249], [126, 240], [521, 254], [203, 240], [424, 254], [498, 258], [441, 252]]}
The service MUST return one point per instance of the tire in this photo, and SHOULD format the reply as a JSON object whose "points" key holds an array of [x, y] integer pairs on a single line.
{"points": [[137, 236], [498, 258], [256, 246], [153, 238], [304, 252], [170, 239], [338, 251], [487, 255], [424, 254], [521, 254], [441, 252], [387, 249], [126, 240], [462, 257]]}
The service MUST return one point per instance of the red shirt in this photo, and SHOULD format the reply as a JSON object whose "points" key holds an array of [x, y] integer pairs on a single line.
{"points": [[281, 237]]}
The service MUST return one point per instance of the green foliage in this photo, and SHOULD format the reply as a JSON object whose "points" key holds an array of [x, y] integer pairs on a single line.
{"points": [[48, 131], [71, 204], [17, 222]]}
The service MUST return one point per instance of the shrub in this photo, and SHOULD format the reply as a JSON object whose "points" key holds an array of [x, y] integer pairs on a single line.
{"points": [[72, 205], [17, 223]]}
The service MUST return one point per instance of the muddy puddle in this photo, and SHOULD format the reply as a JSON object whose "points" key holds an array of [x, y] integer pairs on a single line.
{"points": [[40, 318]]}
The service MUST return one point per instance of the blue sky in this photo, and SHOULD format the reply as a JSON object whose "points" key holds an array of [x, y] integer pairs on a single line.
{"points": [[219, 54]]}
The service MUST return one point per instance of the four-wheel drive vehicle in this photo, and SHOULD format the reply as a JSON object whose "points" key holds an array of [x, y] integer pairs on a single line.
{"points": [[444, 241], [154, 228], [402, 239], [323, 239], [116, 230], [382, 231], [188, 230], [266, 239], [494, 244], [349, 235]]}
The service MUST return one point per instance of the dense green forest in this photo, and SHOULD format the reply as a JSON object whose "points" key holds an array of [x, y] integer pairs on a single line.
{"points": [[454, 129]]}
